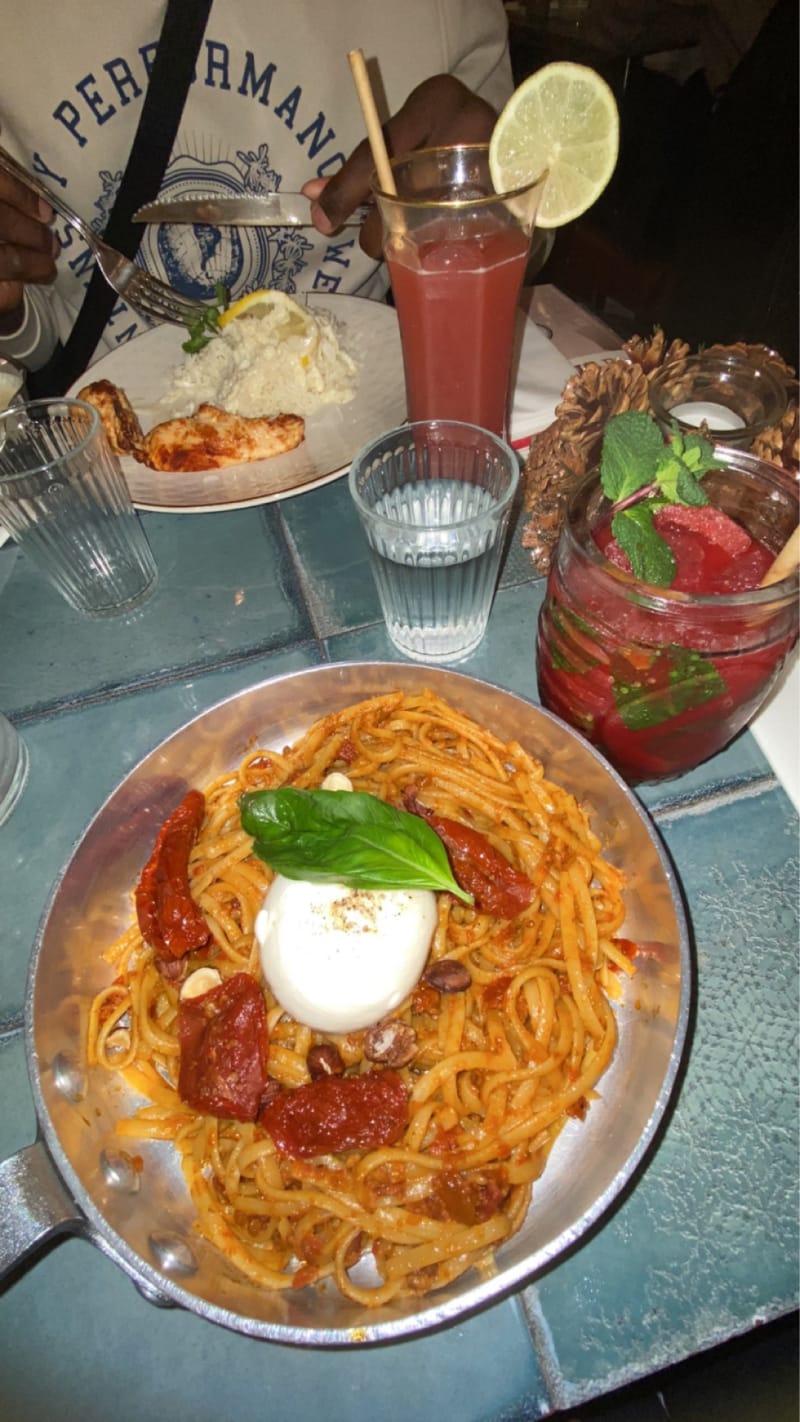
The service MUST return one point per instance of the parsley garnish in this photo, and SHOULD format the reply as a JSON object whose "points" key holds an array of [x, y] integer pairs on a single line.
{"points": [[640, 473], [207, 323]]}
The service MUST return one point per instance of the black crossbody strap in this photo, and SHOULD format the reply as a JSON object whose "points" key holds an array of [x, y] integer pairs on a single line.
{"points": [[173, 68]]}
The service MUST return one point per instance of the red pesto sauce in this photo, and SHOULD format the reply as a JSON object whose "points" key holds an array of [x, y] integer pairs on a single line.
{"points": [[713, 553]]}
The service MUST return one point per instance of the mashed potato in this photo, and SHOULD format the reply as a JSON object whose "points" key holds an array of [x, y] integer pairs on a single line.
{"points": [[273, 357]]}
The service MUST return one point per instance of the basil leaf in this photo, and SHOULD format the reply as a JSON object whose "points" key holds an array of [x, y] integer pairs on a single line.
{"points": [[632, 446], [348, 837], [677, 680], [650, 557]]}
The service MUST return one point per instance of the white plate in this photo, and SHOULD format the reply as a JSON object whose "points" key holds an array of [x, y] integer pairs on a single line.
{"points": [[333, 435]]}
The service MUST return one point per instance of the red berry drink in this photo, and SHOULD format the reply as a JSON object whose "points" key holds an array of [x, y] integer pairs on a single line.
{"points": [[456, 251], [456, 294], [660, 678]]}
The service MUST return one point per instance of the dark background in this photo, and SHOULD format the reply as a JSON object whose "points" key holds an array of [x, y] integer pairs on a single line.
{"points": [[698, 229]]}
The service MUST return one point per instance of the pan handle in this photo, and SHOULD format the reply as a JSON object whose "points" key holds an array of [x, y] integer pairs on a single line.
{"points": [[34, 1206]]}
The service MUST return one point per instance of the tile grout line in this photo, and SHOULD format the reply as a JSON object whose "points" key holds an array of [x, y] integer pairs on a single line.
{"points": [[725, 794], [180, 675], [302, 581], [310, 600], [541, 1341]]}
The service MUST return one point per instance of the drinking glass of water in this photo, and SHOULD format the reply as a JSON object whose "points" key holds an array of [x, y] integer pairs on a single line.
{"points": [[64, 500], [434, 499]]}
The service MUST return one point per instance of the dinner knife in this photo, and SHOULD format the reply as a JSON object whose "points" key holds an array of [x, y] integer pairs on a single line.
{"points": [[265, 210]]}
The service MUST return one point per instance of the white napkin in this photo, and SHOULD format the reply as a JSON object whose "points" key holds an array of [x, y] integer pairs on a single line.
{"points": [[539, 373], [777, 730]]}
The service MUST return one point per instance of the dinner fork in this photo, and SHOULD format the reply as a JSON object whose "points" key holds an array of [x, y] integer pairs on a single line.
{"points": [[136, 286]]}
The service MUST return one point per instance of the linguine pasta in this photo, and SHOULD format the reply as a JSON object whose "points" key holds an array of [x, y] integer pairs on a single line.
{"points": [[498, 1068]]}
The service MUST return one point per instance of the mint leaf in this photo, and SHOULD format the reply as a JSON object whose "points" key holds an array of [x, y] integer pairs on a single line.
{"points": [[632, 446], [651, 559], [688, 491], [696, 452], [329, 836], [677, 680], [677, 484]]}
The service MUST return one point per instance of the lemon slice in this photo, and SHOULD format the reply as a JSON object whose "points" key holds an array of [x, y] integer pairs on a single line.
{"points": [[287, 321], [564, 118]]}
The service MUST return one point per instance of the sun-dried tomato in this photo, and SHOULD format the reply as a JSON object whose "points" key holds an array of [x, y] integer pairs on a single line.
{"points": [[496, 886], [338, 1113], [223, 1042], [169, 919]]}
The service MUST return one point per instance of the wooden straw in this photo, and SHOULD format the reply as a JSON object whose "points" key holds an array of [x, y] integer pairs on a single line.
{"points": [[786, 561], [380, 157]]}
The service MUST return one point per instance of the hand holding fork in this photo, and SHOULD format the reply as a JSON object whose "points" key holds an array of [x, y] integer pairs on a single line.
{"points": [[26, 254]]}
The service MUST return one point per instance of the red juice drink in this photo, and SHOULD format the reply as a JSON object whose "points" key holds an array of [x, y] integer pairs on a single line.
{"points": [[662, 678], [456, 294], [456, 252]]}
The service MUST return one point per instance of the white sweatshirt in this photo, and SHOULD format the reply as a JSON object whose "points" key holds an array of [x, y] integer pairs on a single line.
{"points": [[272, 104]]}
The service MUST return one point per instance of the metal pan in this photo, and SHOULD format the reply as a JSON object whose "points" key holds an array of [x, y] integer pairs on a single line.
{"points": [[76, 1179]]}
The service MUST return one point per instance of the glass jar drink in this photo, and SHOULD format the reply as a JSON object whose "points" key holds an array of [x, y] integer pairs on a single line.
{"points": [[660, 679], [456, 252]]}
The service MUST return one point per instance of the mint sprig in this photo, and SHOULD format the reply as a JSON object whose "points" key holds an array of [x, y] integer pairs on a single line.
{"points": [[206, 324], [641, 472], [632, 447]]}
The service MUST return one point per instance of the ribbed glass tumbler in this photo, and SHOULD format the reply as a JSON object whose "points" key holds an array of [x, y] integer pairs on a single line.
{"points": [[434, 499], [64, 499]]}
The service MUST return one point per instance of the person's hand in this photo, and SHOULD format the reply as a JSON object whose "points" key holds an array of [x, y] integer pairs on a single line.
{"points": [[440, 110], [28, 248]]}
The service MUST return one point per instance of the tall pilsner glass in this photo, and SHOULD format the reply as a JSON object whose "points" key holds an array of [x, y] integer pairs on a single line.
{"points": [[456, 252]]}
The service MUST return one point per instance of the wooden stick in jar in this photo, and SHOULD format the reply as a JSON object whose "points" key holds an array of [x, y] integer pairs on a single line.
{"points": [[366, 98], [786, 561]]}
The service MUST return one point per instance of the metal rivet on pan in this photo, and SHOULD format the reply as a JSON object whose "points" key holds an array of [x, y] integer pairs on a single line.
{"points": [[172, 1254], [69, 1078], [119, 1171]]}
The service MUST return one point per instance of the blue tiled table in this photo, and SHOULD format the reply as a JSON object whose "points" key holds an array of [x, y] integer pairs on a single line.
{"points": [[703, 1247]]}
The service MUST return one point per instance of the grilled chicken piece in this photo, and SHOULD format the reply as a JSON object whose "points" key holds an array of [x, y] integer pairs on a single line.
{"points": [[117, 416], [209, 439], [213, 438]]}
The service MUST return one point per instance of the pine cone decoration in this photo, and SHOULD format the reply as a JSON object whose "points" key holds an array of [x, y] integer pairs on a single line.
{"points": [[560, 456], [654, 351]]}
